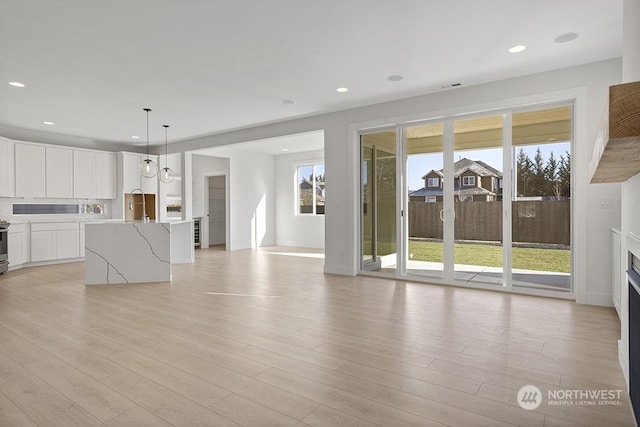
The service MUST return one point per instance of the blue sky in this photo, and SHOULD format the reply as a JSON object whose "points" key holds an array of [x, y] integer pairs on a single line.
{"points": [[420, 164]]}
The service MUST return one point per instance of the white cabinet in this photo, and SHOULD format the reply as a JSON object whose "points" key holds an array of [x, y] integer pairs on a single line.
{"points": [[83, 171], [105, 175], [55, 240], [7, 186], [43, 245], [18, 245], [131, 177], [30, 176], [94, 175], [59, 172]]}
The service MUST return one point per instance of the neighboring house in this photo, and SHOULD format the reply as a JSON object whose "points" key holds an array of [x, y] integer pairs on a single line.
{"points": [[306, 191], [474, 181]]}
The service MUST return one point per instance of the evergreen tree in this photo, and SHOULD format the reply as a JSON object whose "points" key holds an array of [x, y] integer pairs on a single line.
{"points": [[524, 171], [551, 177], [538, 178], [564, 175]]}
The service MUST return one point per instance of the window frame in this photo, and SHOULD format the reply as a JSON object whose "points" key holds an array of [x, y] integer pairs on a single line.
{"points": [[467, 178], [312, 164], [433, 186]]}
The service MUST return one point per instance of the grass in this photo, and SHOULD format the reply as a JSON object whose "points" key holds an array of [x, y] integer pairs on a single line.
{"points": [[538, 259]]}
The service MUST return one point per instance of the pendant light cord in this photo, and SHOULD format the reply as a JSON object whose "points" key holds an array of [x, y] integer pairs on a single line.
{"points": [[166, 147], [147, 110]]}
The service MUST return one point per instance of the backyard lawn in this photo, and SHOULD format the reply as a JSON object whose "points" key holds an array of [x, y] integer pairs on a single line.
{"points": [[557, 260], [538, 259]]}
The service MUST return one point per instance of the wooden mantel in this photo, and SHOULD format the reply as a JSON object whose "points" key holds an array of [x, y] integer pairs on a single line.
{"points": [[616, 155]]}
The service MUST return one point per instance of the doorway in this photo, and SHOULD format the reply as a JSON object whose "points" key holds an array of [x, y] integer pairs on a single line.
{"points": [[481, 200], [217, 214]]}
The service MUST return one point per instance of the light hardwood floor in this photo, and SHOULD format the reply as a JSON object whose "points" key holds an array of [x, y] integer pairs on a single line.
{"points": [[292, 347]]}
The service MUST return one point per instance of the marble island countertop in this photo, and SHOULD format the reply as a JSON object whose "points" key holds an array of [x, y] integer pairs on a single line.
{"points": [[135, 252]]}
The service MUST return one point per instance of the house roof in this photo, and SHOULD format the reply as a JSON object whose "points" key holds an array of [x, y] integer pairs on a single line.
{"points": [[475, 166], [439, 173], [478, 167]]}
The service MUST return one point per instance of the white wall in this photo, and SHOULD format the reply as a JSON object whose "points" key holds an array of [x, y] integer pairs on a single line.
{"points": [[592, 267], [201, 167], [630, 188], [295, 230], [251, 200]]}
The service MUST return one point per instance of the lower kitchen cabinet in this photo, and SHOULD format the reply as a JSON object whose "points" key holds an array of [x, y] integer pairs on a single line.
{"points": [[18, 245], [54, 241]]}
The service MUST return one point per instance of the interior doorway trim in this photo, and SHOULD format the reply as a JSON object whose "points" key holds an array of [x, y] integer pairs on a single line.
{"points": [[204, 226]]}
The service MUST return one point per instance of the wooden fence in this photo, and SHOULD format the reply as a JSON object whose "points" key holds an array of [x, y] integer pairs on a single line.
{"points": [[533, 221]]}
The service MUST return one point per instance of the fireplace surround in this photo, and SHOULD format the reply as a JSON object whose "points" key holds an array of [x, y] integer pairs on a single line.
{"points": [[633, 273]]}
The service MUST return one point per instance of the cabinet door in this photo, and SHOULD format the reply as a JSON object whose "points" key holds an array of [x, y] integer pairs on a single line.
{"points": [[7, 186], [83, 175], [130, 172], [43, 245], [105, 175], [30, 170], [16, 249], [59, 172], [67, 244]]}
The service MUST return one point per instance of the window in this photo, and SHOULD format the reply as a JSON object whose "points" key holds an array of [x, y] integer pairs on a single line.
{"points": [[310, 185], [433, 182], [468, 181], [430, 199]]}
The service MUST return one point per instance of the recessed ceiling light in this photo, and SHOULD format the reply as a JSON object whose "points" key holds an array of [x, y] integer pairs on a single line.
{"points": [[16, 84], [48, 123], [285, 149], [288, 101], [517, 49], [135, 137], [395, 78], [342, 89], [566, 37]]}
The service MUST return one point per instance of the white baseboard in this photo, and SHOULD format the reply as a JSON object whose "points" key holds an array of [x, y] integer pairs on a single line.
{"points": [[300, 244], [342, 270], [603, 299]]}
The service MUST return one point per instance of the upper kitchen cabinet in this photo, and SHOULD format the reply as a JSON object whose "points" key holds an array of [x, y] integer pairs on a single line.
{"points": [[59, 172], [94, 175], [30, 177], [7, 185], [131, 177], [105, 176]]}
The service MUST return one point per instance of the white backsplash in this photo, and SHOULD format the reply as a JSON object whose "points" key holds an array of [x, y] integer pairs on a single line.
{"points": [[6, 209]]}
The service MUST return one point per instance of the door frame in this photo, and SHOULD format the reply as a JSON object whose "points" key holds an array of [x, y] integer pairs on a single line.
{"points": [[573, 97], [204, 225]]}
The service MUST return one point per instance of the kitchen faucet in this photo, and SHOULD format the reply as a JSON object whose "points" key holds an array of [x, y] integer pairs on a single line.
{"points": [[145, 218]]}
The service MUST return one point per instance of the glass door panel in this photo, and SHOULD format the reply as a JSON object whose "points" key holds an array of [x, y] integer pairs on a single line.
{"points": [[541, 205], [425, 207], [378, 202], [477, 174]]}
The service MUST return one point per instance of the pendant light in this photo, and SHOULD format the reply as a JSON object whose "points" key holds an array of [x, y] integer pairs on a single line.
{"points": [[166, 174], [148, 168]]}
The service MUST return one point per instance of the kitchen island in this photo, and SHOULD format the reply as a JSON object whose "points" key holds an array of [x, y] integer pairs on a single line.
{"points": [[135, 252]]}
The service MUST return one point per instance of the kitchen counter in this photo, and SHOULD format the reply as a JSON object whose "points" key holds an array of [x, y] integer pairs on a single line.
{"points": [[135, 252]]}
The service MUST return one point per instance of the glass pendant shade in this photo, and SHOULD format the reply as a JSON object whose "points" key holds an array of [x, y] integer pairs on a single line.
{"points": [[148, 168], [166, 174]]}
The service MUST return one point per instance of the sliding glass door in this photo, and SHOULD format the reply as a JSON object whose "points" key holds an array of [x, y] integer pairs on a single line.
{"points": [[378, 193], [484, 200]]}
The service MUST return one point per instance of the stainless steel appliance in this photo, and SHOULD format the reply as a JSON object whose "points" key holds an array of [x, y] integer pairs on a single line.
{"points": [[4, 247]]}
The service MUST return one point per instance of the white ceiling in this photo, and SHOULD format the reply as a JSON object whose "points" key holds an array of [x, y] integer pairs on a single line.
{"points": [[290, 144], [207, 66]]}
